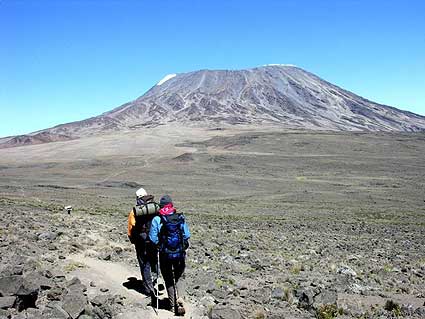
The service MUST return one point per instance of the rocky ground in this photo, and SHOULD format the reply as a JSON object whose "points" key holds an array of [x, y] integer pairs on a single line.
{"points": [[293, 236], [238, 266]]}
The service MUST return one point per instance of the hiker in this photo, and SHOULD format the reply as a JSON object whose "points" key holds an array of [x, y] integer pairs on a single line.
{"points": [[171, 233], [139, 223]]}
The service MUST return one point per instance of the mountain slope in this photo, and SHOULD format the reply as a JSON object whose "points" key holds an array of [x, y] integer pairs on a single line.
{"points": [[278, 94]]}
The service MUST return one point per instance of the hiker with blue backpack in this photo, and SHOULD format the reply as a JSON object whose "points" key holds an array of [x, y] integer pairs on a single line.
{"points": [[170, 232], [139, 223]]}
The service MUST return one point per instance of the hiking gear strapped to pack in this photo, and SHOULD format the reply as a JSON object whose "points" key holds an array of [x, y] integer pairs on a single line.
{"points": [[171, 243], [150, 208], [143, 213]]}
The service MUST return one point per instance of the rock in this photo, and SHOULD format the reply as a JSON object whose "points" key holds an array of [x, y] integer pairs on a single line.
{"points": [[55, 293], [47, 236], [345, 270], [7, 302], [55, 311], [33, 313], [420, 311], [10, 285], [325, 297], [4, 314], [105, 256], [99, 300], [103, 312], [74, 304], [278, 293], [223, 312], [26, 295], [305, 298], [207, 301], [39, 280], [75, 286]]}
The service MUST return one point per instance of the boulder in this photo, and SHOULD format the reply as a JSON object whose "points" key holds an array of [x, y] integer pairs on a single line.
{"points": [[38, 279], [7, 302], [75, 286], [55, 311], [224, 312], [74, 304], [10, 285], [26, 295]]}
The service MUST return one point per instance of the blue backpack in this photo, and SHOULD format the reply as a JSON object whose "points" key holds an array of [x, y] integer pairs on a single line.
{"points": [[171, 236]]}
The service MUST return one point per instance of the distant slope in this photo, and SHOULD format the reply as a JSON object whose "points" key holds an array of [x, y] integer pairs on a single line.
{"points": [[278, 94]]}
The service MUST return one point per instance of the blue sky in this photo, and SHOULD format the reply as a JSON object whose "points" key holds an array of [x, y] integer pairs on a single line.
{"points": [[66, 60]]}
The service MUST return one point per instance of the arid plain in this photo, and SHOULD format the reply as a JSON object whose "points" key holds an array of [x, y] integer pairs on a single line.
{"points": [[285, 224]]}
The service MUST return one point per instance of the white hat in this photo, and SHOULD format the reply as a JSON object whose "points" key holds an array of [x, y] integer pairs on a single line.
{"points": [[141, 192]]}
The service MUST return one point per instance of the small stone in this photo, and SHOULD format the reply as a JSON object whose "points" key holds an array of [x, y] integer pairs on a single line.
{"points": [[99, 300], [278, 293], [345, 270], [47, 236]]}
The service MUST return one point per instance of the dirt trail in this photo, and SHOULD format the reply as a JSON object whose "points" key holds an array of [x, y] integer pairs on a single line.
{"points": [[112, 275]]}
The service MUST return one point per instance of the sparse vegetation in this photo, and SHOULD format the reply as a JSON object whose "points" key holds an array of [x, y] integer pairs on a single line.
{"points": [[255, 227], [327, 312], [71, 266]]}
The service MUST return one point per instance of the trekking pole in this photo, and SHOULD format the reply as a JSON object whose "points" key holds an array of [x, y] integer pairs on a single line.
{"points": [[175, 291], [157, 283]]}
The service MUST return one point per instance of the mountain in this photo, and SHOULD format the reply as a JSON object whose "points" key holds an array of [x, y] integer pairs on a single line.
{"points": [[283, 95]]}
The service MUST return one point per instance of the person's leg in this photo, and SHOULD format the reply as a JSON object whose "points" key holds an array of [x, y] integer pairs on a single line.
{"points": [[167, 274], [179, 267], [145, 268], [153, 260]]}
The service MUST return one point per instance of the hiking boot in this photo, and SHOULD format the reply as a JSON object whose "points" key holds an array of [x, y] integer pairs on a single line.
{"points": [[180, 311]]}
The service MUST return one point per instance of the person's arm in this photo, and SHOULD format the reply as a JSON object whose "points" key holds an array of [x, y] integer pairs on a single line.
{"points": [[155, 228], [186, 232], [131, 223]]}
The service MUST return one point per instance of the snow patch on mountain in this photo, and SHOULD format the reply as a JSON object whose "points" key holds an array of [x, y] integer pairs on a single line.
{"points": [[166, 78], [280, 65]]}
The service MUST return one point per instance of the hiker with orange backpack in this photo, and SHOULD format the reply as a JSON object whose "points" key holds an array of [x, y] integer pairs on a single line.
{"points": [[139, 224], [170, 232]]}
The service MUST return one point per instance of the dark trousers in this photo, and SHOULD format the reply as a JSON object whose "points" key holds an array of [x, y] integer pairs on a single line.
{"points": [[173, 273], [147, 258]]}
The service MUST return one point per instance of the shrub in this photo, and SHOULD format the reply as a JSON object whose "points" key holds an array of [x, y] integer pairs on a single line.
{"points": [[327, 312]]}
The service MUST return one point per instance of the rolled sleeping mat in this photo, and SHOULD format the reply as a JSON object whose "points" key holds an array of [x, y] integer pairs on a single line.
{"points": [[151, 208]]}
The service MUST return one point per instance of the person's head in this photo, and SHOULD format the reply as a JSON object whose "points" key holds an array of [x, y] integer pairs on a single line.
{"points": [[166, 199], [140, 193]]}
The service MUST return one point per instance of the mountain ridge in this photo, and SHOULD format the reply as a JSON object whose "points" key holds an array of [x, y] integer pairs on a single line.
{"points": [[283, 95]]}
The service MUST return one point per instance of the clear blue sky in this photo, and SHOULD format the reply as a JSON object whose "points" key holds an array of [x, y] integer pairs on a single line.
{"points": [[66, 60]]}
